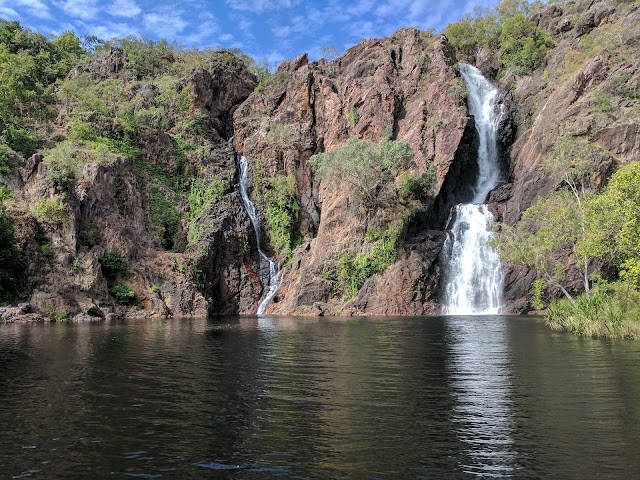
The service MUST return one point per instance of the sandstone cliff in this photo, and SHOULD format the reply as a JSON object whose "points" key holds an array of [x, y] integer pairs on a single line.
{"points": [[133, 205], [406, 87], [163, 194]]}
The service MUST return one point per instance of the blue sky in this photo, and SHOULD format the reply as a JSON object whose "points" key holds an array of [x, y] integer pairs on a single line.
{"points": [[276, 29]]}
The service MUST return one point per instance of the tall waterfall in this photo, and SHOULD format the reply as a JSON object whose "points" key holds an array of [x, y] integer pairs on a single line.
{"points": [[266, 263], [474, 276]]}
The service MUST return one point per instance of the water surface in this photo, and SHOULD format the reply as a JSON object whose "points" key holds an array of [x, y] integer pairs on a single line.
{"points": [[248, 398]]}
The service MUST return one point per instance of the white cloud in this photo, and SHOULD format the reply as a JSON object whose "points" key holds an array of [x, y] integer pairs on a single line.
{"points": [[297, 25], [124, 8], [165, 22], [110, 30], [258, 6], [205, 31], [36, 8], [82, 9], [8, 13]]}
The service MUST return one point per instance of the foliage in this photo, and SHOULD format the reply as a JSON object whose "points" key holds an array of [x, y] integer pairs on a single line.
{"points": [[466, 35], [200, 194], [79, 131], [353, 116], [5, 159], [164, 217], [20, 139], [123, 295], [64, 164], [11, 260], [5, 194], [586, 226], [547, 227], [353, 270], [50, 211], [524, 45], [112, 264], [415, 186], [613, 223], [145, 58], [89, 234], [56, 314], [29, 66], [281, 214], [46, 251], [366, 167], [609, 311], [77, 266]]}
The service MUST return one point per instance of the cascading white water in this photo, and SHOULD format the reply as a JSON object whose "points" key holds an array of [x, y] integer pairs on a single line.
{"points": [[475, 280], [266, 263]]}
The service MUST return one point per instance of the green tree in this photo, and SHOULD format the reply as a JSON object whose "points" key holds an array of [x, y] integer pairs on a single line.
{"points": [[550, 226], [613, 223], [365, 166], [524, 44]]}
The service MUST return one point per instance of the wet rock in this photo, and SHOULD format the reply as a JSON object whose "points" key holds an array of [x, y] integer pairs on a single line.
{"points": [[24, 308]]}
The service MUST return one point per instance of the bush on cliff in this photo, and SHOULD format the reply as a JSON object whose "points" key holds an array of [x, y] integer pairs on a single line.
{"points": [[506, 28], [281, 214], [353, 270], [365, 166], [122, 294]]}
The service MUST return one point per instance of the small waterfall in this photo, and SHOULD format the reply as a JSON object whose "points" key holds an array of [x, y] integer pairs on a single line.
{"points": [[474, 276], [266, 263]]}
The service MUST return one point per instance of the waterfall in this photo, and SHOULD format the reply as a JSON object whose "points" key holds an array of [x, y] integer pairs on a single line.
{"points": [[267, 264], [474, 272]]}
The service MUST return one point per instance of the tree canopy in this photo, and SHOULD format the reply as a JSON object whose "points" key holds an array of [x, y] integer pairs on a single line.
{"points": [[365, 166]]}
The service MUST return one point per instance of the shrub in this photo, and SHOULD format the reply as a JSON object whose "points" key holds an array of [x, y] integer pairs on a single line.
{"points": [[112, 263], [64, 163], [80, 131], [281, 214], [415, 186], [123, 295], [89, 234], [46, 251], [164, 217], [5, 159], [354, 270], [50, 211], [20, 140], [200, 194], [57, 315], [524, 45], [607, 312], [353, 116], [603, 100], [366, 167]]}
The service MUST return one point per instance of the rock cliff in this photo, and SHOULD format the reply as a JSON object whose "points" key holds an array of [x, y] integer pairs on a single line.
{"points": [[404, 87], [161, 200]]}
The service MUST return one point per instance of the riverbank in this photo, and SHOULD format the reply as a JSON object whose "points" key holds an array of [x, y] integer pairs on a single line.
{"points": [[24, 313]]}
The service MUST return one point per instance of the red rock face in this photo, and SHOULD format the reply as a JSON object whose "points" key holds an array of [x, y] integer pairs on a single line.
{"points": [[404, 86]]}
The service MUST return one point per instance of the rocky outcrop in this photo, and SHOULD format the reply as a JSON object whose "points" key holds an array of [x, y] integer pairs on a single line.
{"points": [[405, 87], [585, 90], [108, 208]]}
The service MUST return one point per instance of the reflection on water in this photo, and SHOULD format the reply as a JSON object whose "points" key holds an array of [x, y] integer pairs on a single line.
{"points": [[282, 397], [480, 375]]}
